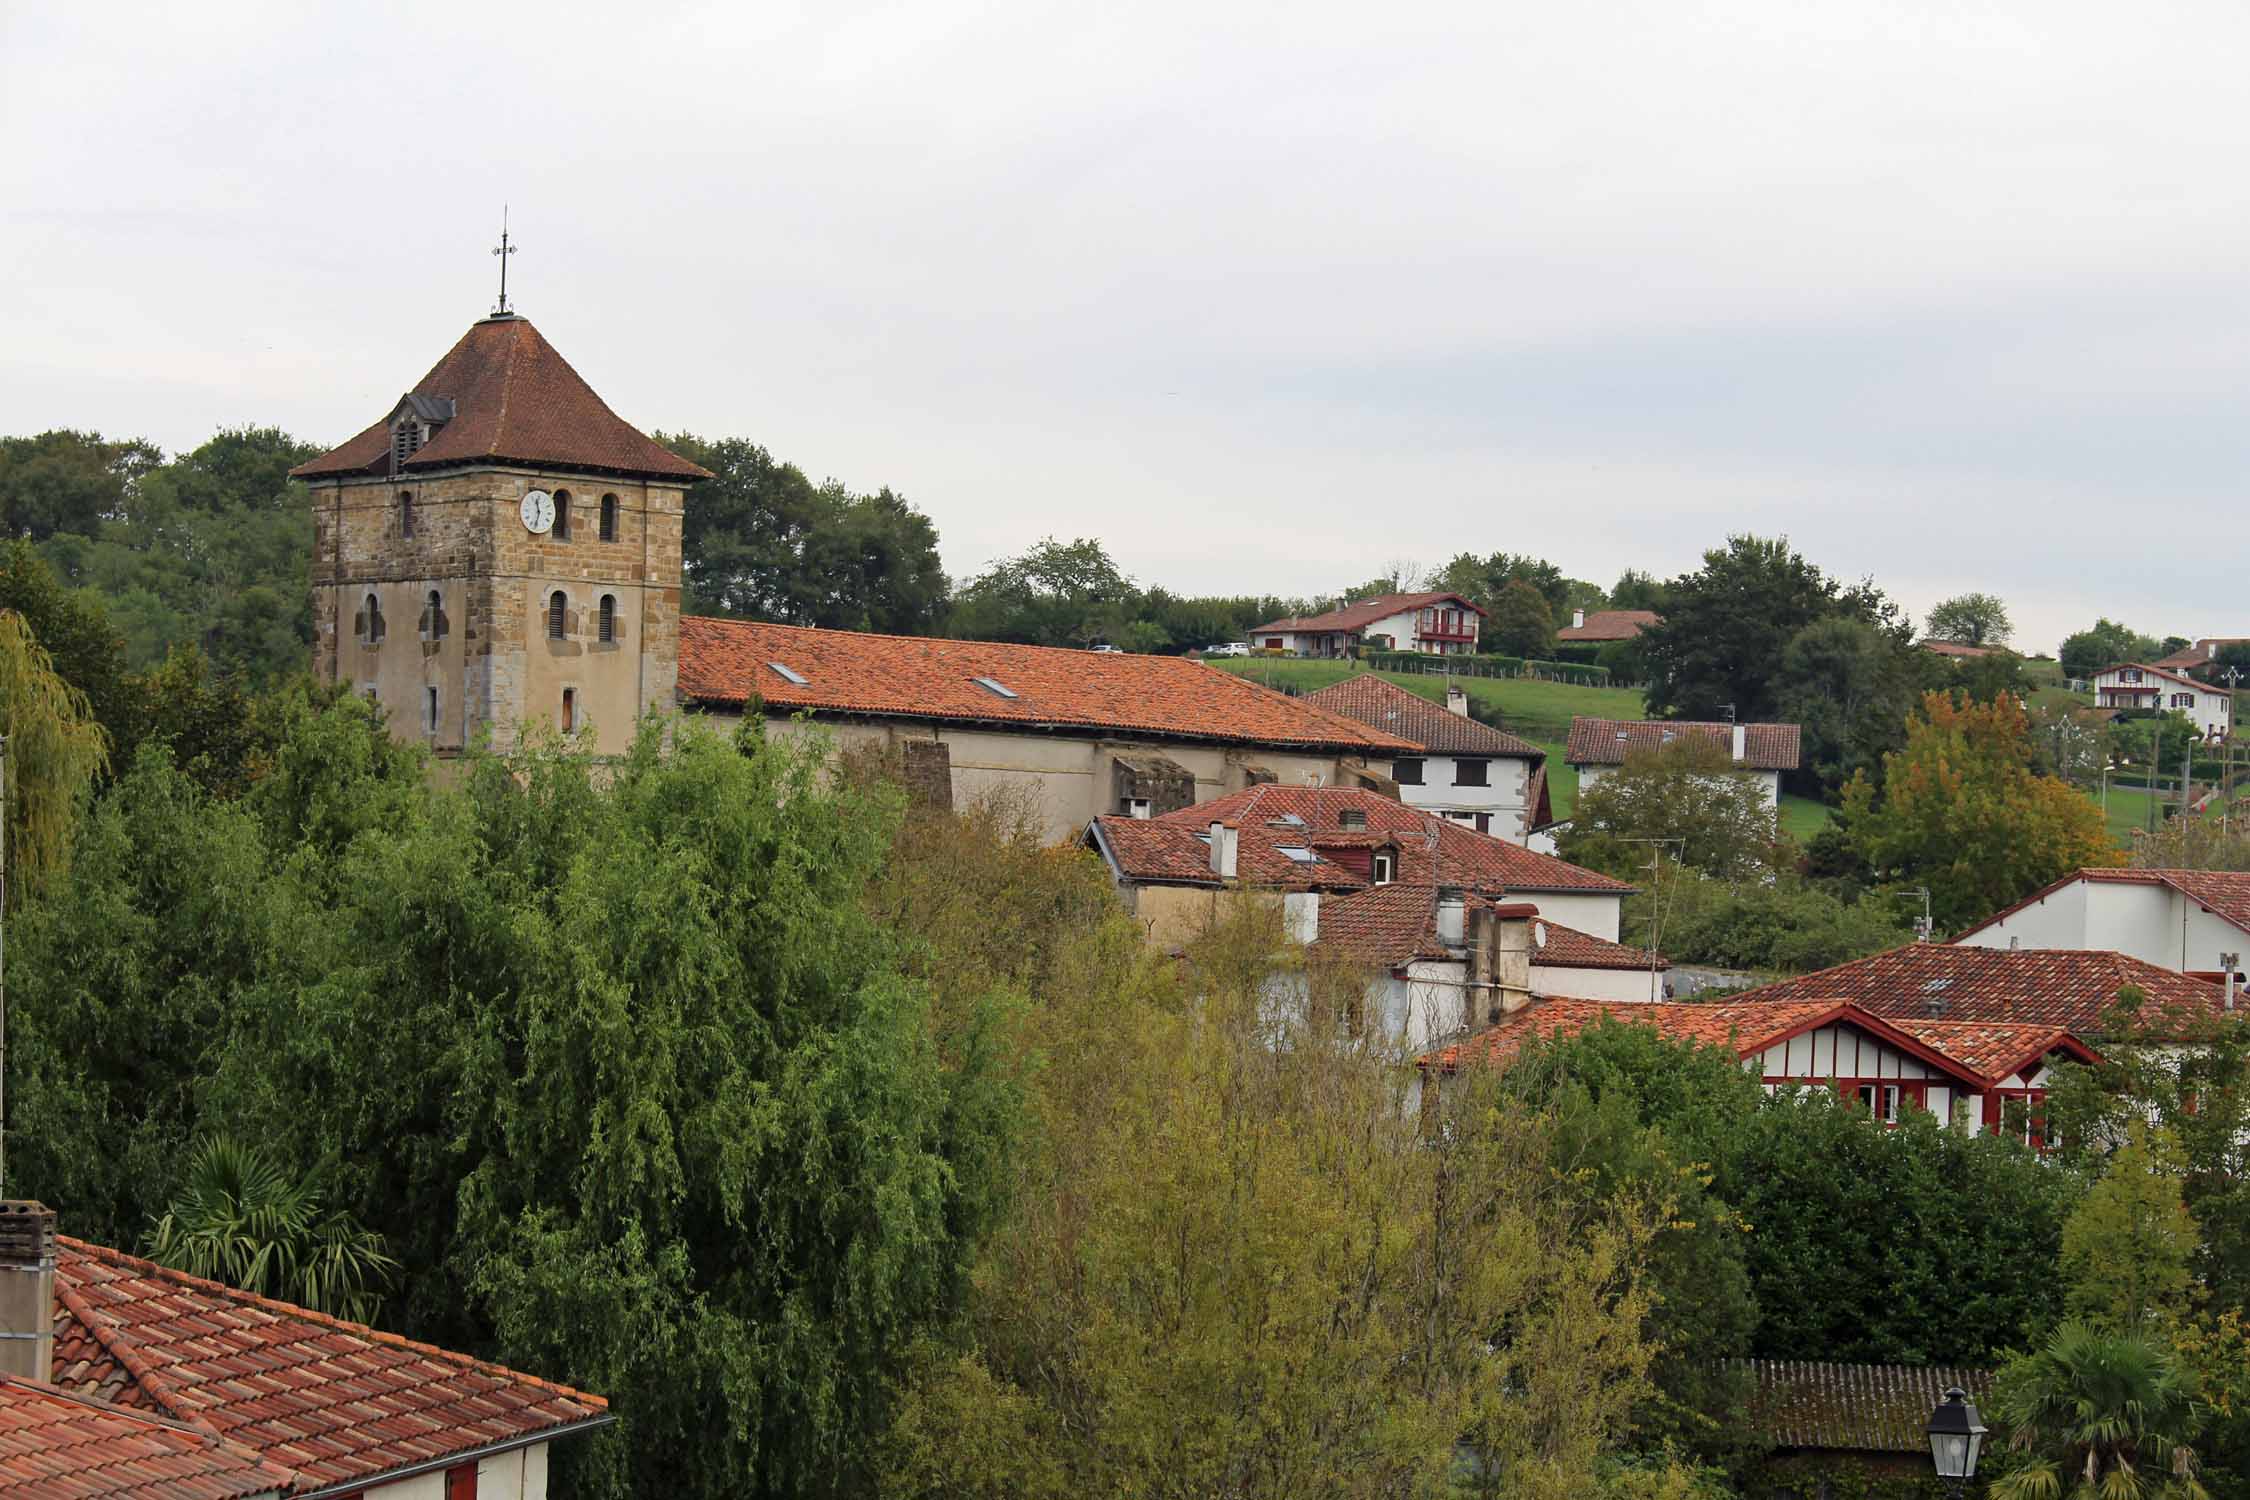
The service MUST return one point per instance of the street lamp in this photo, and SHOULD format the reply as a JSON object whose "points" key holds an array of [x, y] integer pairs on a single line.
{"points": [[1956, 1439]]}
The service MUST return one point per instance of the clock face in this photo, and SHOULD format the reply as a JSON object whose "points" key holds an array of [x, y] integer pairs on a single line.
{"points": [[538, 511]]}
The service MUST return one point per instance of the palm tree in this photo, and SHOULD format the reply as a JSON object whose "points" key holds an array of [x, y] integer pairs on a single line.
{"points": [[2104, 1416], [242, 1220]]}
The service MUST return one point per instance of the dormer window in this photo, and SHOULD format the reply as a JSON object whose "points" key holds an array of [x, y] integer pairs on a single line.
{"points": [[407, 438], [414, 422], [1385, 867]]}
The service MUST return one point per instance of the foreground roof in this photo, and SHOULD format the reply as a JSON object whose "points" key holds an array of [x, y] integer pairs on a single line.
{"points": [[2060, 987], [1610, 625], [1863, 1408], [1339, 827], [1386, 706], [1365, 612], [514, 399], [2223, 893], [55, 1445], [729, 662], [1606, 742], [331, 1401]]}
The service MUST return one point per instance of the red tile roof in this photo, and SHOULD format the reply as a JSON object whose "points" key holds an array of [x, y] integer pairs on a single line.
{"points": [[1432, 726], [2201, 653], [1568, 948], [1815, 1404], [1994, 1049], [2223, 893], [1956, 648], [1606, 742], [1610, 625], [1364, 612], [725, 662], [1431, 850], [331, 1401], [58, 1446], [2054, 987], [514, 400], [2153, 671], [1383, 924]]}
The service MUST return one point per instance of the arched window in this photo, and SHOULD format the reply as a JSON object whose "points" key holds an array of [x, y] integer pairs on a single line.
{"points": [[561, 529], [405, 513], [609, 617], [433, 619], [609, 518], [570, 710], [374, 620], [557, 608]]}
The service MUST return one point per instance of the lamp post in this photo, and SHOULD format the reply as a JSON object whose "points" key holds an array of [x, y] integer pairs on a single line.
{"points": [[1956, 1439]]}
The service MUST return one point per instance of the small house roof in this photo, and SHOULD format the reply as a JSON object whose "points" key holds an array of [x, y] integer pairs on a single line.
{"points": [[1433, 727], [1364, 612], [1607, 742]]}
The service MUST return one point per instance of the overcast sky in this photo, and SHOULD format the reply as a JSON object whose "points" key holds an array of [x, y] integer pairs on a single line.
{"points": [[1265, 297]]}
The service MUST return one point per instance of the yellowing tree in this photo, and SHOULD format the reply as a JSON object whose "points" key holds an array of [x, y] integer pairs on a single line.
{"points": [[1962, 812], [2128, 1247], [54, 750]]}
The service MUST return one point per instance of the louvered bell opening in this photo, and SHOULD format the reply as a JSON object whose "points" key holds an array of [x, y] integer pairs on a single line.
{"points": [[556, 605]]}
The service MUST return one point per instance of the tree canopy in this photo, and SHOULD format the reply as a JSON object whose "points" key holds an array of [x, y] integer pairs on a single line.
{"points": [[2105, 643], [1971, 619]]}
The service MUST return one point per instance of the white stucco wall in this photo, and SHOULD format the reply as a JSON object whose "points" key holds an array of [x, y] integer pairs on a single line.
{"points": [[1594, 915], [2211, 710], [1596, 984], [518, 1474], [1503, 801], [1769, 782], [2153, 923]]}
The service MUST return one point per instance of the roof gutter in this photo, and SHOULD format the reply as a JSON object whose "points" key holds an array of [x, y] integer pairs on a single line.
{"points": [[367, 1482]]}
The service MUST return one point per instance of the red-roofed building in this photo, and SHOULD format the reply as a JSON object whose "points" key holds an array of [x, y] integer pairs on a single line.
{"points": [[55, 1445], [2138, 685], [1599, 746], [1441, 624], [1465, 771], [2193, 921], [1605, 625], [1962, 1071]]}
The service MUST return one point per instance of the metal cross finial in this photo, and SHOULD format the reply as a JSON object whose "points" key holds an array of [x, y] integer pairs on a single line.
{"points": [[503, 250]]}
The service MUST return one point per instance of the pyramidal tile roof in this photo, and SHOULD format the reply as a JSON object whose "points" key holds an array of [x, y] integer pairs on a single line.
{"points": [[330, 1401], [514, 400], [55, 1445], [1387, 706]]}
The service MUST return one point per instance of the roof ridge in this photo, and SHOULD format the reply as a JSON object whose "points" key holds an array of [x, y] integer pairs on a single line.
{"points": [[109, 1331], [143, 1267]]}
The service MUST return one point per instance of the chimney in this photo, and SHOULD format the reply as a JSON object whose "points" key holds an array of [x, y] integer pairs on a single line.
{"points": [[1449, 908], [1741, 741], [1300, 915], [1225, 842], [1578, 619], [1456, 699], [27, 1289], [1511, 973], [2210, 650]]}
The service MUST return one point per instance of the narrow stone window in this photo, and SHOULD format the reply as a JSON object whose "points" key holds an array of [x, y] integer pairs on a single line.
{"points": [[570, 711], [609, 617], [429, 710], [609, 518], [558, 608], [433, 619], [406, 513], [561, 528], [374, 621]]}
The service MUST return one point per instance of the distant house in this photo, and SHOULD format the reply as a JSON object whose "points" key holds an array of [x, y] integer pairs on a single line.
{"points": [[1316, 843], [1464, 771], [1599, 746], [1605, 625], [2138, 685], [1079, 733], [1441, 624], [230, 1395], [1820, 1420], [1958, 651], [1957, 1070], [2191, 921], [2202, 654]]}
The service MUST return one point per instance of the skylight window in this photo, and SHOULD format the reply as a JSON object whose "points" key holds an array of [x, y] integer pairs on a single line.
{"points": [[1287, 820], [786, 673], [1300, 854], [1937, 984], [996, 688]]}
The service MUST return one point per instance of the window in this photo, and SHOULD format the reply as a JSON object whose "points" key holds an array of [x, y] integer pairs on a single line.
{"points": [[786, 674], [406, 514], [570, 711], [1885, 1098], [2183, 700], [1386, 867], [609, 518], [406, 440], [461, 1482], [1407, 772], [558, 609], [994, 687], [371, 621], [1136, 807], [609, 617], [1352, 817], [560, 531], [2130, 674], [429, 710], [1300, 854], [2023, 1117], [433, 617], [1472, 773]]}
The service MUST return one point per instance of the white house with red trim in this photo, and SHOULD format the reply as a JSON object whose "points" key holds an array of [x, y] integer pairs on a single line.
{"points": [[2137, 685], [2189, 920], [1436, 623]]}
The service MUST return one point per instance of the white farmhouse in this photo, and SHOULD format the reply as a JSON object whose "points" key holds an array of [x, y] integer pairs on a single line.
{"points": [[1439, 624], [1466, 772], [2192, 921], [1599, 746], [2135, 685]]}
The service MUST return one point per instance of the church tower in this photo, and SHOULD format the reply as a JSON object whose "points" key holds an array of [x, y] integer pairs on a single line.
{"points": [[501, 550]]}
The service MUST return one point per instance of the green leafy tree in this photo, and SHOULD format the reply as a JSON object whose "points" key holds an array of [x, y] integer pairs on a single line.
{"points": [[1971, 620], [1690, 792], [54, 749], [1055, 594], [1775, 923], [242, 1220], [68, 481], [1635, 589], [1727, 625], [2098, 1416], [2104, 644], [2129, 1246], [1520, 624], [1849, 686], [1962, 812], [1483, 580]]}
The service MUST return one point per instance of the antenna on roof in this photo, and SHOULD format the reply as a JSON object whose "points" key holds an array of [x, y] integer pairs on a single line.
{"points": [[503, 250]]}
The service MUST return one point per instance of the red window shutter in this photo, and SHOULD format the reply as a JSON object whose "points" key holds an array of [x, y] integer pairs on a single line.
{"points": [[461, 1482]]}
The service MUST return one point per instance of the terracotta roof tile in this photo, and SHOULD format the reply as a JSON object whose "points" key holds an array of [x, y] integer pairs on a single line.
{"points": [[1610, 625], [1383, 924], [2053, 987], [2153, 671], [1606, 742], [514, 400], [1859, 1408], [1956, 648], [725, 662], [1432, 726], [331, 1400], [1994, 1049], [1568, 948], [1365, 612], [56, 1445]]}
